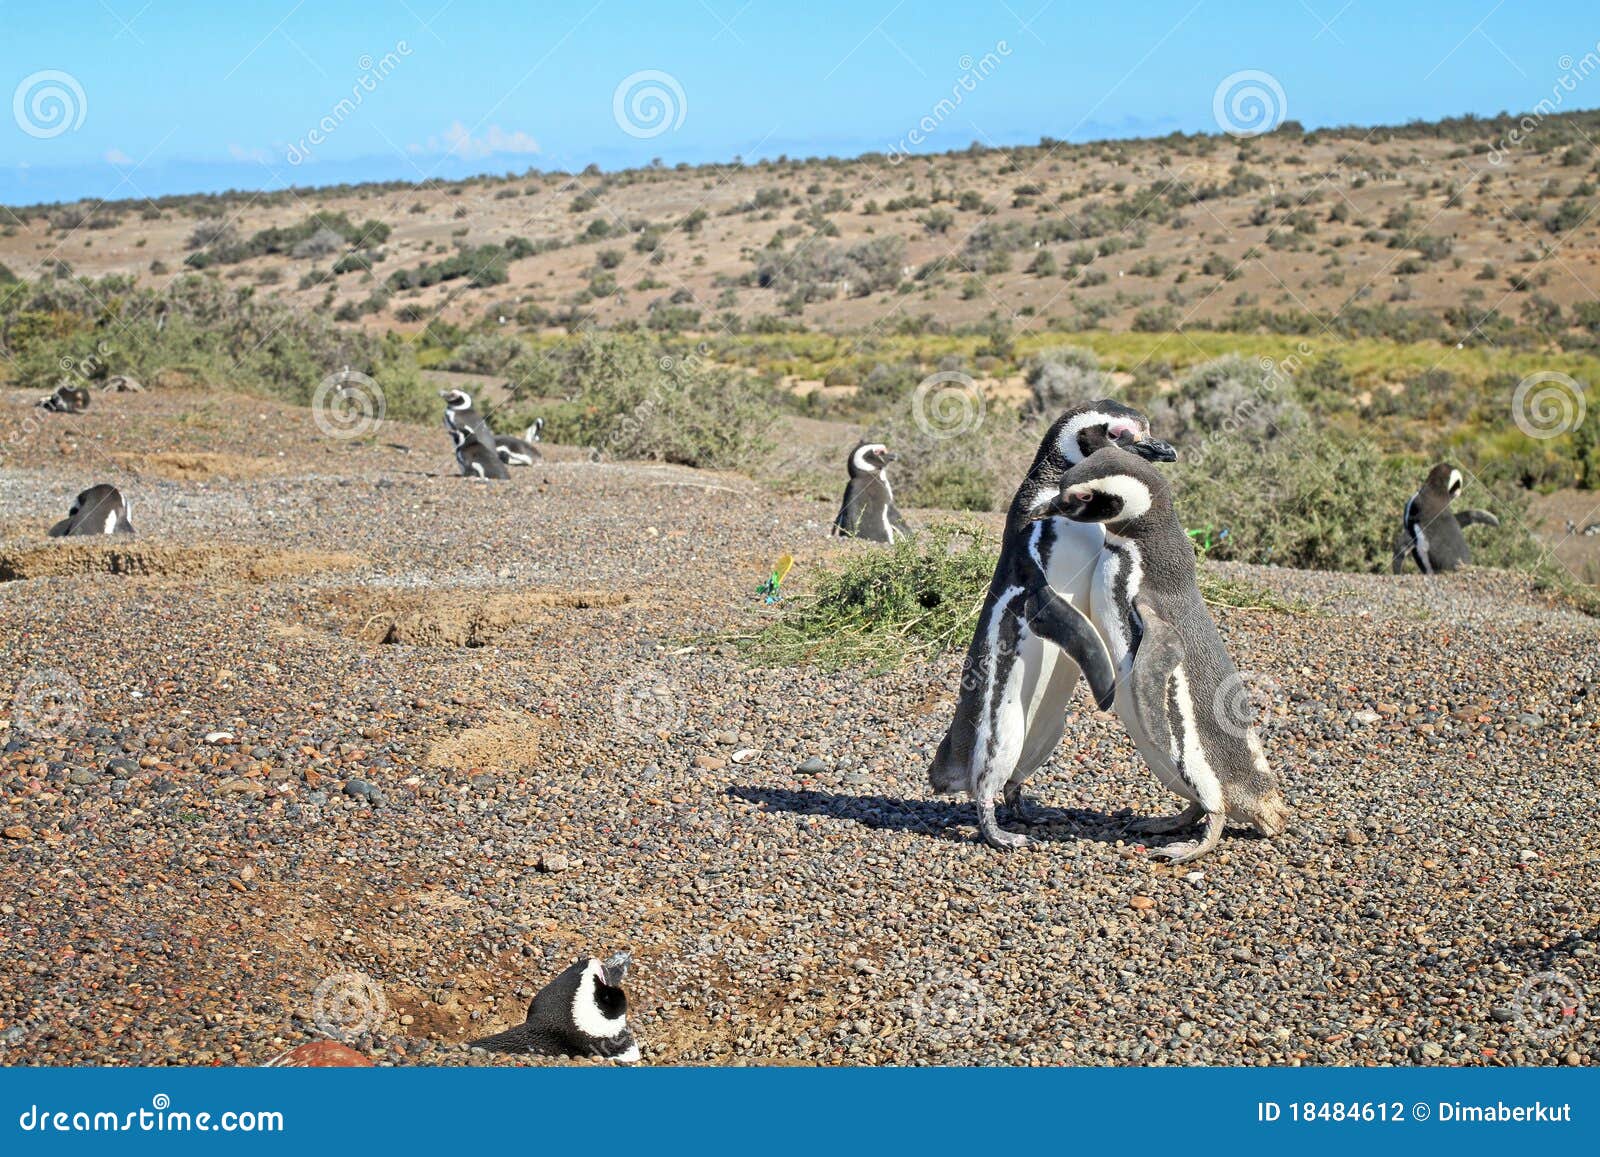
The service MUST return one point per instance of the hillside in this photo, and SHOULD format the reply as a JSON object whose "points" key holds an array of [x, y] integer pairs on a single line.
{"points": [[1447, 222]]}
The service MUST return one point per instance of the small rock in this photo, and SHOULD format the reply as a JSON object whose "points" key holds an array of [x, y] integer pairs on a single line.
{"points": [[1142, 903], [812, 766], [710, 762], [17, 832], [745, 755], [82, 776], [554, 862], [361, 789], [1366, 717], [1354, 836], [219, 737]]}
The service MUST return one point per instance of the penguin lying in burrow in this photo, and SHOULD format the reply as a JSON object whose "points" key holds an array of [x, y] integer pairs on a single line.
{"points": [[522, 451], [67, 400], [101, 509], [581, 1013]]}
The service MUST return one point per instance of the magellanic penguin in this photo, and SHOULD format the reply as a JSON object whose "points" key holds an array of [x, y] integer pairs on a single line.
{"points": [[1429, 532], [581, 1013], [459, 415], [868, 510], [474, 460], [100, 509], [1016, 684], [67, 400], [521, 451], [1178, 692]]}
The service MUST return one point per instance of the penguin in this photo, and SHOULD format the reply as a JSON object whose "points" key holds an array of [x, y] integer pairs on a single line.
{"points": [[474, 460], [1429, 532], [521, 451], [101, 509], [459, 415], [67, 400], [1175, 683], [1015, 684], [868, 510], [583, 1013]]}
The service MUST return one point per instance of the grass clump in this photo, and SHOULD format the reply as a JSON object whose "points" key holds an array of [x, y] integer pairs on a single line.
{"points": [[920, 597]]}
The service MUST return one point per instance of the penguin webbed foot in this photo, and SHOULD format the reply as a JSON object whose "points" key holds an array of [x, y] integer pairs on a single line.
{"points": [[1164, 825], [1020, 807], [1190, 850], [993, 834]]}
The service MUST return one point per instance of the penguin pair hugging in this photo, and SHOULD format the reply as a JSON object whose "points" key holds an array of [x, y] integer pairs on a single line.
{"points": [[1097, 576]]}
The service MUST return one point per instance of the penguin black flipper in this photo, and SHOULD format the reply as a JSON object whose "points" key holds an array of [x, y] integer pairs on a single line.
{"points": [[1404, 545], [898, 522], [1052, 617], [1466, 518], [1156, 658]]}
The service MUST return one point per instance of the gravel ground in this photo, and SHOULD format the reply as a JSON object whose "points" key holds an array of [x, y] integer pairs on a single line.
{"points": [[230, 813]]}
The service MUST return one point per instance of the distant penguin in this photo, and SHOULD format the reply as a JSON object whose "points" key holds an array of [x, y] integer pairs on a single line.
{"points": [[474, 460], [1178, 692], [868, 510], [1429, 532], [1032, 637], [459, 415], [100, 509], [521, 451], [67, 400], [581, 1013]]}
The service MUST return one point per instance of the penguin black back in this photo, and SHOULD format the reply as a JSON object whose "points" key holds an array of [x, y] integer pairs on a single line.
{"points": [[1430, 534], [98, 510], [581, 1013]]}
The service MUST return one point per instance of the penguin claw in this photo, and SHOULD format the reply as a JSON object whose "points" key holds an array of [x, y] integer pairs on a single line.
{"points": [[1161, 825], [1190, 850], [993, 834]]}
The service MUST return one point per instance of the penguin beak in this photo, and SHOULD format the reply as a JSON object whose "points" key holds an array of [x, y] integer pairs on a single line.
{"points": [[616, 969], [1153, 450], [888, 457]]}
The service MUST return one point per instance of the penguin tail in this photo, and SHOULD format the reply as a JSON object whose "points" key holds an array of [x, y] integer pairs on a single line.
{"points": [[943, 776], [513, 1040]]}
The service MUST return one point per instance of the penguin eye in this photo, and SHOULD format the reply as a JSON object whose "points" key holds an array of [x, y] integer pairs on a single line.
{"points": [[1083, 495]]}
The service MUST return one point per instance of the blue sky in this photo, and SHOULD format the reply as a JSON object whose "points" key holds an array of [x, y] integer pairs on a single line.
{"points": [[129, 98]]}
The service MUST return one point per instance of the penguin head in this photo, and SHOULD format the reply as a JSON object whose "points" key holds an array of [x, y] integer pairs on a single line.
{"points": [[1086, 428], [535, 430], [586, 1011], [1444, 480], [456, 399], [869, 458], [100, 503], [1110, 486]]}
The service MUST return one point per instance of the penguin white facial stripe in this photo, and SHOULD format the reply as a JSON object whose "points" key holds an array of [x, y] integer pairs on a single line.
{"points": [[586, 1013], [1135, 495], [1455, 482]]}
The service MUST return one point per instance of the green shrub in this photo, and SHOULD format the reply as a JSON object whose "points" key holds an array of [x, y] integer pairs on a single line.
{"points": [[1062, 377], [628, 397]]}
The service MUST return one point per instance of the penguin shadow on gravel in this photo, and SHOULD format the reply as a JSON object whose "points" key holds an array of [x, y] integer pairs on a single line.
{"points": [[956, 823]]}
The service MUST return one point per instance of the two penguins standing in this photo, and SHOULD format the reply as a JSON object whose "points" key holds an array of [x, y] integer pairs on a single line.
{"points": [[1095, 576]]}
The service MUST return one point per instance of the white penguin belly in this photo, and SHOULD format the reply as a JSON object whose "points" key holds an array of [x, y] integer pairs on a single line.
{"points": [[1049, 675]]}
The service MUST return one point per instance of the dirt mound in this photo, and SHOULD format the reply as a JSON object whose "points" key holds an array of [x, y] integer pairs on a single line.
{"points": [[507, 743], [249, 563], [461, 618], [180, 466]]}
